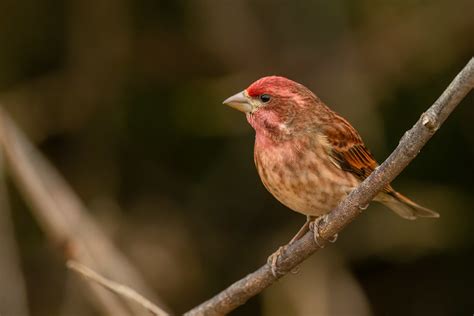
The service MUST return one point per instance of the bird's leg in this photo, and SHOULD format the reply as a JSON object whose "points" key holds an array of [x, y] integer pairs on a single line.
{"points": [[303, 230], [273, 258], [314, 227]]}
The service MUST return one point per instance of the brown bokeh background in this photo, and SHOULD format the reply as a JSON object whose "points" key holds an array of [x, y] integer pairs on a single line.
{"points": [[124, 97]]}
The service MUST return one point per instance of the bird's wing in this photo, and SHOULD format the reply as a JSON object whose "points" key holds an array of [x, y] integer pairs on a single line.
{"points": [[348, 150], [349, 153]]}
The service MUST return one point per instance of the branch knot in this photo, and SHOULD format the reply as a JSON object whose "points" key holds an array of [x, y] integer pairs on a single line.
{"points": [[429, 120]]}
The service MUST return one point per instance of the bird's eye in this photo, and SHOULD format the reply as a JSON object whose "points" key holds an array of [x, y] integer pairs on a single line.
{"points": [[265, 98]]}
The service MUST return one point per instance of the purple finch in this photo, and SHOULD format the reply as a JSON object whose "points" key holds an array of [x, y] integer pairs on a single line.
{"points": [[309, 157]]}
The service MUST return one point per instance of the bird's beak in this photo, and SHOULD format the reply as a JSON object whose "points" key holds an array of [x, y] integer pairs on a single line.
{"points": [[239, 102]]}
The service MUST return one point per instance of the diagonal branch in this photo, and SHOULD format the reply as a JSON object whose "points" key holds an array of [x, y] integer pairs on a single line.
{"points": [[409, 147], [115, 287]]}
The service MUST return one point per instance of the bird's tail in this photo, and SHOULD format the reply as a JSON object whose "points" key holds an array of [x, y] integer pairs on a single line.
{"points": [[403, 206]]}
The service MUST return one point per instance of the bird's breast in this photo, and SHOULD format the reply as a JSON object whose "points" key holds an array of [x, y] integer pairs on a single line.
{"points": [[300, 175]]}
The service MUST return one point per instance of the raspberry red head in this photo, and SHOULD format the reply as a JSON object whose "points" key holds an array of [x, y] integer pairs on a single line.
{"points": [[274, 85], [271, 92], [277, 107]]}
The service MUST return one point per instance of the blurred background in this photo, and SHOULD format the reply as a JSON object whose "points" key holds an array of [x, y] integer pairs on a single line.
{"points": [[125, 99]]}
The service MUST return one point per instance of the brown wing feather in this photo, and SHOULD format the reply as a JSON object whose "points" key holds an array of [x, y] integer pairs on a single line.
{"points": [[348, 150], [349, 153]]}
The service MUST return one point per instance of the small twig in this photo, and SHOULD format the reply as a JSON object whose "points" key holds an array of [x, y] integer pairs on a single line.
{"points": [[115, 287], [409, 147]]}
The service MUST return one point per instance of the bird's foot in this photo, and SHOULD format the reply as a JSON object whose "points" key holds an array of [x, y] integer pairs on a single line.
{"points": [[273, 261], [314, 227]]}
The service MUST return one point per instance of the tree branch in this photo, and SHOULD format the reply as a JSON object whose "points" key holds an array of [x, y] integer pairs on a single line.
{"points": [[115, 287], [409, 147]]}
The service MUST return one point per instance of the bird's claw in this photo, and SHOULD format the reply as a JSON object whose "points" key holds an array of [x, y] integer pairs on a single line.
{"points": [[273, 261], [314, 227]]}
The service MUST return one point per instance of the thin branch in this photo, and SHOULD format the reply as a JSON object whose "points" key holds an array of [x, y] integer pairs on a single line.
{"points": [[115, 287], [409, 147]]}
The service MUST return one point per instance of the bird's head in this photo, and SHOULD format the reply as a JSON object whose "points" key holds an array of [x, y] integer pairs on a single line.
{"points": [[275, 105]]}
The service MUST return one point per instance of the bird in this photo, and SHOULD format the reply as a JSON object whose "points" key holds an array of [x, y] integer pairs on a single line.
{"points": [[308, 156]]}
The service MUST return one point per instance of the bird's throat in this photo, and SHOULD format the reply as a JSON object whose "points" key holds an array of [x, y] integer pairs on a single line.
{"points": [[269, 128]]}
